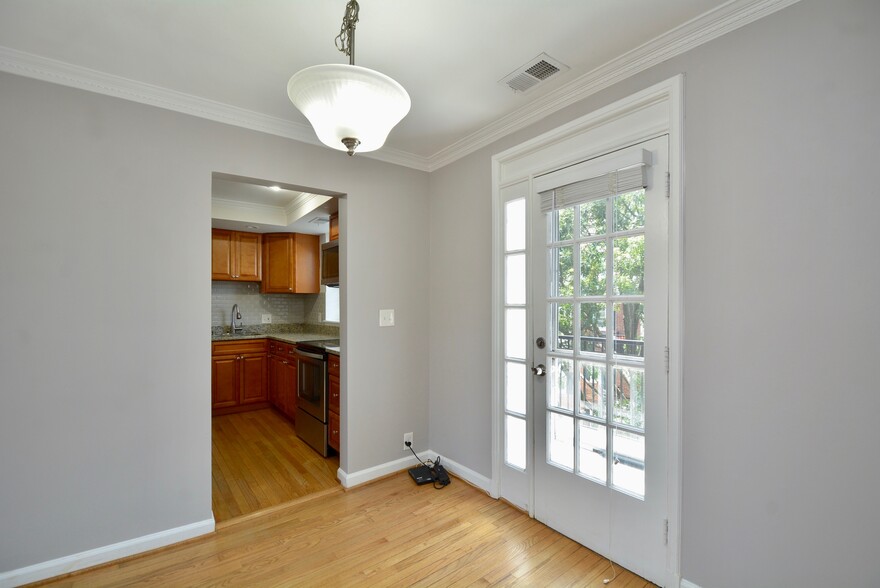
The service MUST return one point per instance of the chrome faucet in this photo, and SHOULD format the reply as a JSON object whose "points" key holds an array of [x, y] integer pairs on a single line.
{"points": [[236, 315]]}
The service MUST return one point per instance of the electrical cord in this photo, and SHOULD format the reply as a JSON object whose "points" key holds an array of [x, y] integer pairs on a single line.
{"points": [[427, 463]]}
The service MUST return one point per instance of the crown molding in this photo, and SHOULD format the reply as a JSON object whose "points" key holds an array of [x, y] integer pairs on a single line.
{"points": [[704, 28], [66, 74], [302, 205], [250, 206]]}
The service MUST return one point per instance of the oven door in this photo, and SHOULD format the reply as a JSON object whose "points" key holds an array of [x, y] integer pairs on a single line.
{"points": [[311, 387]]}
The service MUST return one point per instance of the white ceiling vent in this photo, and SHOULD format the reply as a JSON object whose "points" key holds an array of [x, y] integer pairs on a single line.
{"points": [[533, 73]]}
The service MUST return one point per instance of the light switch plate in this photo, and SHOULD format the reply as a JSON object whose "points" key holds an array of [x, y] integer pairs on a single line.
{"points": [[267, 319], [386, 317]]}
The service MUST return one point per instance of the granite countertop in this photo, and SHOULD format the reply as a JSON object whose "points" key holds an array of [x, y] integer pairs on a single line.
{"points": [[285, 337]]}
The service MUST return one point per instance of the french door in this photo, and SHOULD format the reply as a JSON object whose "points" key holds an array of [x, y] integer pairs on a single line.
{"points": [[599, 259]]}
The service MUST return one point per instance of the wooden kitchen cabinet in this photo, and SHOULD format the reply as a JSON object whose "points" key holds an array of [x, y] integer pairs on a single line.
{"points": [[239, 371], [282, 378], [291, 264], [333, 391], [334, 227], [236, 256]]}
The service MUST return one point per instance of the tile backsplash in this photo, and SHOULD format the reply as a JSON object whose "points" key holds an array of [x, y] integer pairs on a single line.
{"points": [[284, 308]]}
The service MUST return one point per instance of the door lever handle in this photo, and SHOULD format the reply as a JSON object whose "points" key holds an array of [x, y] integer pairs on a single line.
{"points": [[539, 370]]}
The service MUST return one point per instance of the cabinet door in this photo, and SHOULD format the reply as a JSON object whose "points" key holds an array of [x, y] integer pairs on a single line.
{"points": [[333, 433], [334, 227], [253, 378], [221, 255], [289, 391], [224, 381], [333, 392], [307, 267], [247, 262], [274, 377], [277, 264]]}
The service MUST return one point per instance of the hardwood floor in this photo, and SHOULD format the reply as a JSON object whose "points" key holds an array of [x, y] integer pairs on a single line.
{"points": [[388, 533], [259, 462]]}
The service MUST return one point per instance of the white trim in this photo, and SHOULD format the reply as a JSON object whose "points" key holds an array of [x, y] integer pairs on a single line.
{"points": [[463, 472], [250, 206], [383, 469], [675, 377], [702, 29], [59, 72], [391, 467], [665, 104], [100, 555], [686, 584], [496, 353]]}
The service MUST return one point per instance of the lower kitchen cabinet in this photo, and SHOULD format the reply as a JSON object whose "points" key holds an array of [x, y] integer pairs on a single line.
{"points": [[282, 378], [239, 373], [333, 390]]}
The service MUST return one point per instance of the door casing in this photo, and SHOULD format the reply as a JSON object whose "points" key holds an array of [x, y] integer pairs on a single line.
{"points": [[652, 112]]}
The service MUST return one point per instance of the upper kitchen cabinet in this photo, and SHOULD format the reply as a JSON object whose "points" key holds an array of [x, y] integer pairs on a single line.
{"points": [[334, 227], [290, 263], [236, 256]]}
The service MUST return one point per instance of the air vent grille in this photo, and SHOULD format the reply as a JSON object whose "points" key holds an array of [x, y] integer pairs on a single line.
{"points": [[533, 73], [542, 70]]}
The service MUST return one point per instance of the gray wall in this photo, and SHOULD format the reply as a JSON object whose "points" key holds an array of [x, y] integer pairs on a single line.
{"points": [[105, 406], [780, 460]]}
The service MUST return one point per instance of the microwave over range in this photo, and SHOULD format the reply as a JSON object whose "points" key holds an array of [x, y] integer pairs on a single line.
{"points": [[330, 263]]}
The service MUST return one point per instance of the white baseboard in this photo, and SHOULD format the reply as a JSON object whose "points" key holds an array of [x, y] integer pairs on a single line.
{"points": [[686, 584], [100, 555], [363, 476], [465, 473]]}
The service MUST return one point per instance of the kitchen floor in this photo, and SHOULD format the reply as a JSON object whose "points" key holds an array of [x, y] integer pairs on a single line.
{"points": [[259, 462]]}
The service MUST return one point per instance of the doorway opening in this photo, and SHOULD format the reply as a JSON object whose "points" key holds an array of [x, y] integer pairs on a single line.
{"points": [[276, 394]]}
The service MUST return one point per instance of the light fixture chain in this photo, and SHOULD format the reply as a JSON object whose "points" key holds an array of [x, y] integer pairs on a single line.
{"points": [[345, 39]]}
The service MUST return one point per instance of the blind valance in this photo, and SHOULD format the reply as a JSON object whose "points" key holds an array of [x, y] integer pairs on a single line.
{"points": [[616, 182]]}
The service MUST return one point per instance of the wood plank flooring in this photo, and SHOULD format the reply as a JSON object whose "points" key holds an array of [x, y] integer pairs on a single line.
{"points": [[388, 533], [259, 462]]}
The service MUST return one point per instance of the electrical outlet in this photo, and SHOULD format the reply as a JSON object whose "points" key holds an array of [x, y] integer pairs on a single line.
{"points": [[386, 317], [407, 437], [267, 319]]}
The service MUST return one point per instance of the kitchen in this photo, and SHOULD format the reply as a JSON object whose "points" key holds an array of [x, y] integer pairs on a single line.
{"points": [[275, 361]]}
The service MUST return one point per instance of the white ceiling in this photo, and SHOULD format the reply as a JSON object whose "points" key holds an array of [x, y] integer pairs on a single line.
{"points": [[257, 206], [448, 54], [229, 60]]}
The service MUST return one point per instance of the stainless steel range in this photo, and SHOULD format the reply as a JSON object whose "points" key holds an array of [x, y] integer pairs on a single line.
{"points": [[311, 392]]}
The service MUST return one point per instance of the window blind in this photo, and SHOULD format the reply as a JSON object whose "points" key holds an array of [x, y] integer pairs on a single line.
{"points": [[615, 182]]}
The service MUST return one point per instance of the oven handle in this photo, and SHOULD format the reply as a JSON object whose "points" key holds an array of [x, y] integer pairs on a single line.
{"points": [[312, 355]]}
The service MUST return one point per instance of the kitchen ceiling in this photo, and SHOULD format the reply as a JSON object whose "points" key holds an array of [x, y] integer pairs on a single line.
{"points": [[234, 56]]}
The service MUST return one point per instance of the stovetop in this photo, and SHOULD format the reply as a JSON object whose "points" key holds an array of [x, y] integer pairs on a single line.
{"points": [[321, 344]]}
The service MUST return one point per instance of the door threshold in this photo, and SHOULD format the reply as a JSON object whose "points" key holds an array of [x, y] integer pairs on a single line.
{"points": [[276, 508]]}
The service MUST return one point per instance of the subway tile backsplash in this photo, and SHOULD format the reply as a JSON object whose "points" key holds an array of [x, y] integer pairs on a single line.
{"points": [[284, 308]]}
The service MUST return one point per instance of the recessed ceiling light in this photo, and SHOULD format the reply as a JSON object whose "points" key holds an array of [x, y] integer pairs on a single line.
{"points": [[275, 188], [251, 227]]}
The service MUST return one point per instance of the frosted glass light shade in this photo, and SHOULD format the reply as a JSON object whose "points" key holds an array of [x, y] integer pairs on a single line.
{"points": [[343, 101]]}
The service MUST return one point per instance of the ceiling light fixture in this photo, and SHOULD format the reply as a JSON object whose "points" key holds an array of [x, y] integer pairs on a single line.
{"points": [[350, 107], [275, 188]]}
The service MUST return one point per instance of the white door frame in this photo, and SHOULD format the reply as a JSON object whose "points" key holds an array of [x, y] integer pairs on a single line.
{"points": [[652, 112]]}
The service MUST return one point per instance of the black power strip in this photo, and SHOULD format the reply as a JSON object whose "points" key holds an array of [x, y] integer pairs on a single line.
{"points": [[429, 472]]}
